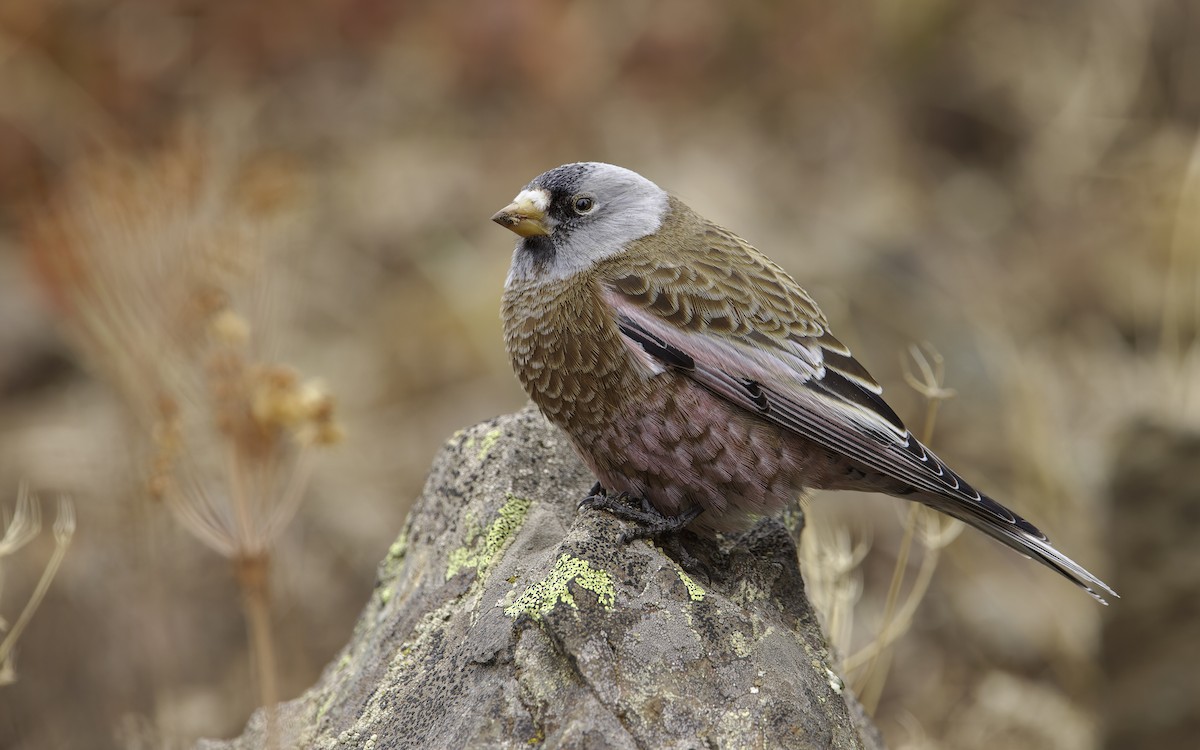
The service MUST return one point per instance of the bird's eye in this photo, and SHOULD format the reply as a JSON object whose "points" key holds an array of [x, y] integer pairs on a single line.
{"points": [[583, 204]]}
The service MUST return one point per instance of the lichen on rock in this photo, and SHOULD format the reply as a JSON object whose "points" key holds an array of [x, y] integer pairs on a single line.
{"points": [[541, 597], [504, 618]]}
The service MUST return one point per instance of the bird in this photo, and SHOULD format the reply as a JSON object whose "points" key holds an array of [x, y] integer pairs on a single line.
{"points": [[691, 372]]}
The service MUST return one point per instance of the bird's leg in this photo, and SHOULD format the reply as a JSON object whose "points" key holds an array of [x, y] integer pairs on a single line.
{"points": [[675, 549], [666, 529], [598, 497], [652, 524], [618, 506]]}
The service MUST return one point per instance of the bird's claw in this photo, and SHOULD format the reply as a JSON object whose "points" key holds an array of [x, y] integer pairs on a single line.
{"points": [[619, 506], [666, 532], [596, 494], [651, 524]]}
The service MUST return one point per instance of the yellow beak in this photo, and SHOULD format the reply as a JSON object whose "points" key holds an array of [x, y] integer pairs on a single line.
{"points": [[523, 217]]}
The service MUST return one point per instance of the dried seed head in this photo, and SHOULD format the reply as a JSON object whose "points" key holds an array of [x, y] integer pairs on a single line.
{"points": [[147, 260], [229, 328]]}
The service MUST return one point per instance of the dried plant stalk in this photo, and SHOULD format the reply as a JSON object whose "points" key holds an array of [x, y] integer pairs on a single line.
{"points": [[25, 524], [158, 269], [830, 560]]}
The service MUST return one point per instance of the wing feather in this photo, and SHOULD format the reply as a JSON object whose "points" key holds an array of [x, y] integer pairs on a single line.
{"points": [[729, 318]]}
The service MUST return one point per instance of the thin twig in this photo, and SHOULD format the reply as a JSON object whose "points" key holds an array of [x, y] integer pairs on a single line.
{"points": [[64, 529], [252, 578]]}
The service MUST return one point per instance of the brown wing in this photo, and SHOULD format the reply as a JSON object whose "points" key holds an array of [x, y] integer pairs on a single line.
{"points": [[724, 314], [718, 286]]}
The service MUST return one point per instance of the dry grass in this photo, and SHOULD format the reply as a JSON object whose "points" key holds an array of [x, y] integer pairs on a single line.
{"points": [[935, 531], [19, 530], [145, 260]]}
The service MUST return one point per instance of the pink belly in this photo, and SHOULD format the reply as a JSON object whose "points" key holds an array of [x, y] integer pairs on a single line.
{"points": [[679, 445]]}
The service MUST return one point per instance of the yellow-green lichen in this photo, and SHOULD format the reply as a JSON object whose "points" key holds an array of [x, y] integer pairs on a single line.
{"points": [[399, 547], [740, 646], [395, 557], [481, 549], [543, 596], [738, 727], [695, 592], [460, 559], [743, 644], [485, 443], [488, 441], [748, 592], [325, 706]]}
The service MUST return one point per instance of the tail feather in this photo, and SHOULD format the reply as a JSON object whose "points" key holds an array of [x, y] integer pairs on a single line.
{"points": [[1023, 537]]}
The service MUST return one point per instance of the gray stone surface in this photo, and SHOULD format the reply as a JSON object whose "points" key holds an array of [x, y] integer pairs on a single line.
{"points": [[503, 618]]}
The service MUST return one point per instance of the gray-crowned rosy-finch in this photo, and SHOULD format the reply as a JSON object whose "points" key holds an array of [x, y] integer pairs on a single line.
{"points": [[692, 372]]}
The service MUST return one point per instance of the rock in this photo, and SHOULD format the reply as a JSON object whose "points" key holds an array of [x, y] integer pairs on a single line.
{"points": [[504, 618]]}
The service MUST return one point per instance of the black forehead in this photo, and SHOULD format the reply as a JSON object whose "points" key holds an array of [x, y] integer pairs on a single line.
{"points": [[562, 180]]}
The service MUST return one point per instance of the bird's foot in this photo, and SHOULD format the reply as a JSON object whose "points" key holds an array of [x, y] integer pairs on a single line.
{"points": [[666, 530], [651, 524], [597, 497]]}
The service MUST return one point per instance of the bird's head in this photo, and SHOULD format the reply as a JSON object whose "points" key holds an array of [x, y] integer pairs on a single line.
{"points": [[576, 215]]}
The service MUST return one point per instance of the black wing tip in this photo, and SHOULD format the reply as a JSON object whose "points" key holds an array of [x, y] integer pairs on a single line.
{"points": [[1068, 568], [1107, 590], [1096, 595], [1007, 527]]}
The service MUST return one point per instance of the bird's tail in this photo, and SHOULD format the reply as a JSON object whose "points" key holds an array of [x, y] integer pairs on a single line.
{"points": [[1021, 535]]}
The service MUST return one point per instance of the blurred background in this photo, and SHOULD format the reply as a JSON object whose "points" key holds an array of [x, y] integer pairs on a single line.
{"points": [[1017, 184]]}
